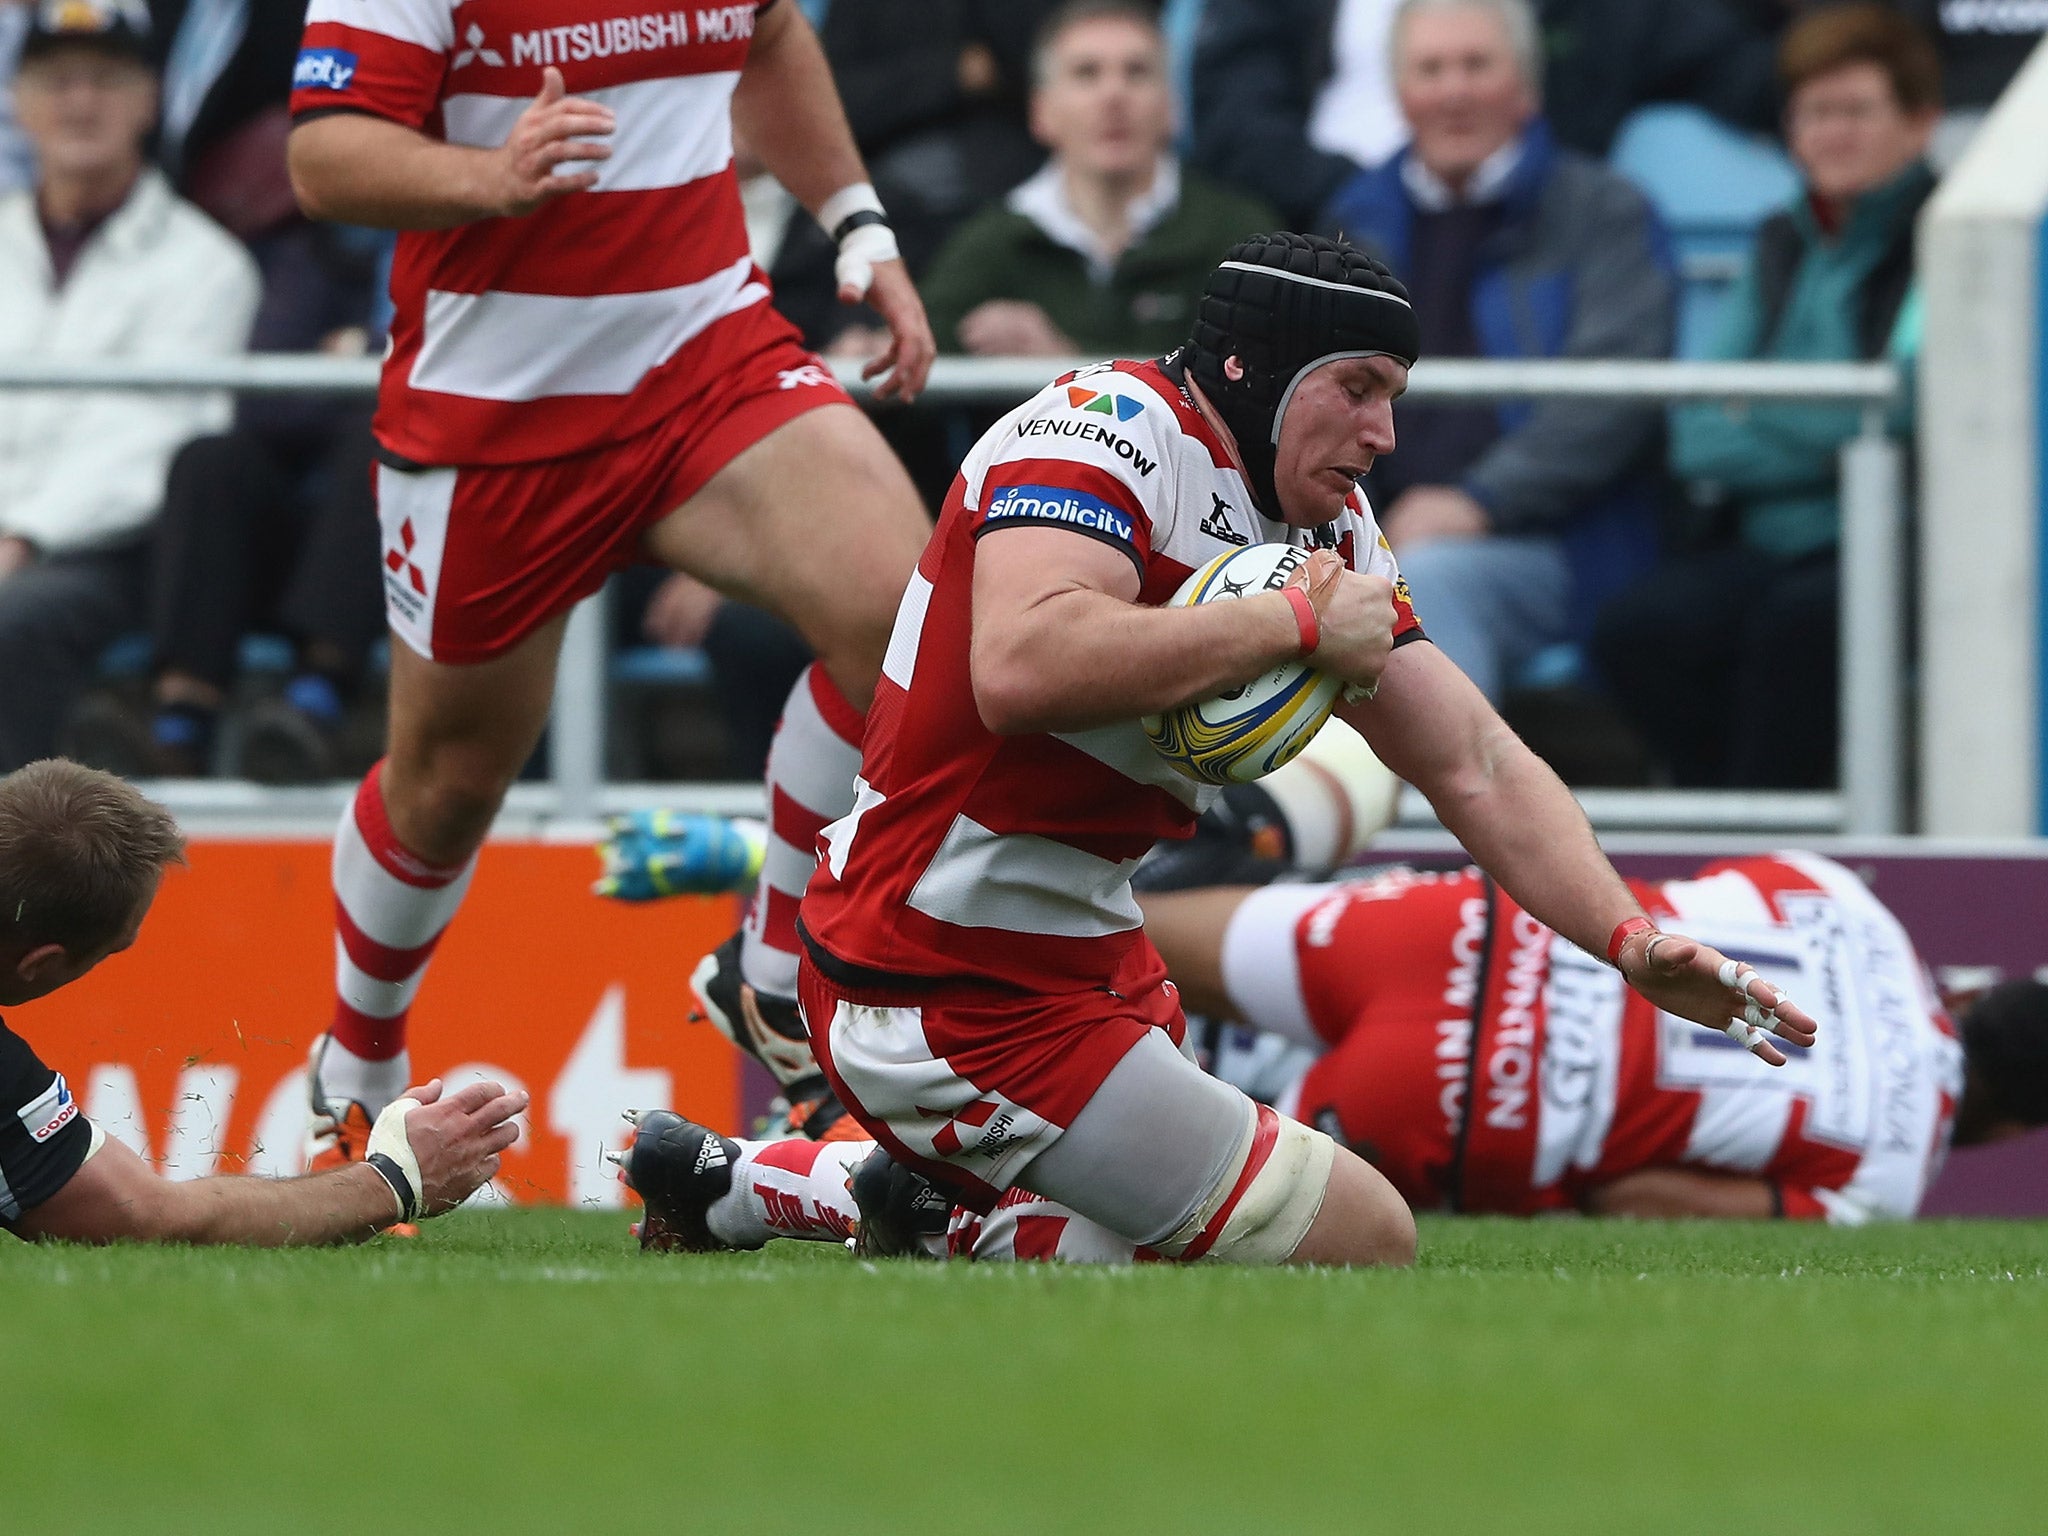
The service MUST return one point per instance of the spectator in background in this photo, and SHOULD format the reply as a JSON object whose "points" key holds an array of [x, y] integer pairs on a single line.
{"points": [[1513, 520], [1105, 250], [1291, 96], [935, 94], [1748, 620], [271, 525], [100, 260]]}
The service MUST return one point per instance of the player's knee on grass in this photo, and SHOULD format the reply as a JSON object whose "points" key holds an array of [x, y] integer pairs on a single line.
{"points": [[1362, 1221], [1261, 1216]]}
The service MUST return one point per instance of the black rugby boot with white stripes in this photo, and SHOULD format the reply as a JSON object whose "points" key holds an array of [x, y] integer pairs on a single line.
{"points": [[679, 1169], [902, 1213]]}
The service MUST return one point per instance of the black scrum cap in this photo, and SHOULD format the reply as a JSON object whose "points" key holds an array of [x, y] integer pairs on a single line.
{"points": [[1284, 305]]}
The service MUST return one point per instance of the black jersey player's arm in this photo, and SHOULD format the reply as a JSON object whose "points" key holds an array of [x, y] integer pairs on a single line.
{"points": [[1061, 644], [115, 1196], [788, 111], [355, 168], [1432, 727], [1664, 1194]]}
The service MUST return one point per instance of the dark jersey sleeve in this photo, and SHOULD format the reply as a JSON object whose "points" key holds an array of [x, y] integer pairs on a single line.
{"points": [[44, 1136]]}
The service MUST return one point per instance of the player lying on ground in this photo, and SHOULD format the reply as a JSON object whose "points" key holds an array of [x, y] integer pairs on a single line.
{"points": [[977, 983], [81, 855], [585, 372], [1364, 994]]}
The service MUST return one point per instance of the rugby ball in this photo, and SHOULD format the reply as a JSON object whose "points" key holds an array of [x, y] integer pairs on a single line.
{"points": [[1246, 733]]}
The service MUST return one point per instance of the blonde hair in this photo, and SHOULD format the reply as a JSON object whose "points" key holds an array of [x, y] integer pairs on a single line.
{"points": [[80, 851]]}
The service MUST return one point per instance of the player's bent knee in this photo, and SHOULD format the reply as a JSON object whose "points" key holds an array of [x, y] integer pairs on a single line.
{"points": [[1262, 1210], [444, 808], [1363, 1220]]}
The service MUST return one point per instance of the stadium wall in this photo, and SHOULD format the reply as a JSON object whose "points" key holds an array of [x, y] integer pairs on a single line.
{"points": [[1983, 712]]}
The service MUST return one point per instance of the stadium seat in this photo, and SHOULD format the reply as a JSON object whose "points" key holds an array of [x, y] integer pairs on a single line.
{"points": [[661, 666], [1713, 186]]}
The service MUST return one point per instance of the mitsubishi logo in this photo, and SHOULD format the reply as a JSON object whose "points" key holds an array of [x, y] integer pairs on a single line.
{"points": [[397, 560], [476, 50], [947, 1142]]}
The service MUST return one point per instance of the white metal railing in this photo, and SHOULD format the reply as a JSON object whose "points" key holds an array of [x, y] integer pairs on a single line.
{"points": [[1874, 663]]}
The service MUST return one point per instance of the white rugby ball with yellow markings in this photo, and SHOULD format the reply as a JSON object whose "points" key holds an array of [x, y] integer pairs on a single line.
{"points": [[1246, 733]]}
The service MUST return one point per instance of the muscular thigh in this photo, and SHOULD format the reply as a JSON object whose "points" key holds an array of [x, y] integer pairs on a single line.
{"points": [[816, 522], [1153, 1142]]}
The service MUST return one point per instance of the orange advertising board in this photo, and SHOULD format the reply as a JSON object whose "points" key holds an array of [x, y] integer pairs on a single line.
{"points": [[191, 1047]]}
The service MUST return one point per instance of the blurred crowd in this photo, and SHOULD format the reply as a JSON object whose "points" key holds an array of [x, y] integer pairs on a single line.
{"points": [[190, 584]]}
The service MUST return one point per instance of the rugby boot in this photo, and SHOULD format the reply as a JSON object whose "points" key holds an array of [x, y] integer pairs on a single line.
{"points": [[651, 854], [903, 1215], [338, 1130], [678, 1169], [769, 1029], [1240, 840], [822, 1118]]}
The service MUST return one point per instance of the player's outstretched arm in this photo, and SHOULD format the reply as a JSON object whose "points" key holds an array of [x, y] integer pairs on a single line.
{"points": [[788, 111], [353, 168], [1516, 818], [444, 1149]]}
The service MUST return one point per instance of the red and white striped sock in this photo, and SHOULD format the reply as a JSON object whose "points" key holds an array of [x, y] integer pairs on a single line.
{"points": [[390, 908], [801, 1189], [811, 769]]}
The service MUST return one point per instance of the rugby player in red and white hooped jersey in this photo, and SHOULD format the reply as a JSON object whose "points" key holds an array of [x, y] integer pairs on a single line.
{"points": [[1487, 1064], [976, 980], [1379, 1008], [585, 372]]}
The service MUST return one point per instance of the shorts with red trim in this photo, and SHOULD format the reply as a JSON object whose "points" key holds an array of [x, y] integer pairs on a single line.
{"points": [[477, 558], [1083, 1097]]}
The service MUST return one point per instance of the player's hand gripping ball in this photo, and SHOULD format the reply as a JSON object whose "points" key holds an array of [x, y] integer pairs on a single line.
{"points": [[1246, 733]]}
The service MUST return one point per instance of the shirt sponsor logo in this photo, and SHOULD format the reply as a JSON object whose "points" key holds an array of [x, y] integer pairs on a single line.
{"points": [[645, 33], [324, 69], [1088, 432], [49, 1112], [479, 48], [1217, 523], [1122, 407], [1056, 504]]}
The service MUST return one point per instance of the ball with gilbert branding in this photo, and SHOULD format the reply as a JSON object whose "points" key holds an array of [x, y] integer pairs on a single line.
{"points": [[1246, 733]]}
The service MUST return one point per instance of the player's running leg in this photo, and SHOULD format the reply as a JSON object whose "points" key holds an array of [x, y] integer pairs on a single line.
{"points": [[403, 858], [818, 523]]}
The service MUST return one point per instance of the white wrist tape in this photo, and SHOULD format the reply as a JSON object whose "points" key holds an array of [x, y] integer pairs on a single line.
{"points": [[845, 203], [391, 1154], [855, 219]]}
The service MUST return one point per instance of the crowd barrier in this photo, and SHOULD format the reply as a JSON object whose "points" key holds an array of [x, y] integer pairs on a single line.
{"points": [[1875, 665]]}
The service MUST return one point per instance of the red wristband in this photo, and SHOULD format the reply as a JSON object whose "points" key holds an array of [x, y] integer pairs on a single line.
{"points": [[1625, 930], [1305, 619]]}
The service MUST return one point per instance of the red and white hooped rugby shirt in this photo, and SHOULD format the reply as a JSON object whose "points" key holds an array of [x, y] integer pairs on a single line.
{"points": [[592, 318], [969, 854], [1574, 1079]]}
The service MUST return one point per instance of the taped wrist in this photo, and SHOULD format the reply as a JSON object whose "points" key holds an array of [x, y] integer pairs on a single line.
{"points": [[855, 219], [391, 1154]]}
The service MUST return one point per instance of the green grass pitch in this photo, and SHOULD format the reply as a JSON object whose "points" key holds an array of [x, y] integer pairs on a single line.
{"points": [[530, 1371]]}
